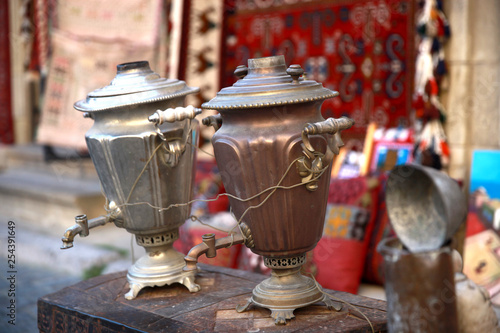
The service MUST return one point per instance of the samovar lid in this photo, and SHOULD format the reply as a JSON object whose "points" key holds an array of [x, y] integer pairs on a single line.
{"points": [[134, 83], [267, 82]]}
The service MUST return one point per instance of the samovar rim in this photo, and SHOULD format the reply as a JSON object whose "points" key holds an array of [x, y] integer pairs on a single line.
{"points": [[276, 102], [84, 105]]}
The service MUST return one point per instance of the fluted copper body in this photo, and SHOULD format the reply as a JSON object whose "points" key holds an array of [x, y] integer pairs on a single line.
{"points": [[254, 149]]}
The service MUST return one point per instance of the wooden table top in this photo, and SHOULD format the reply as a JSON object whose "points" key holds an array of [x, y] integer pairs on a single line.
{"points": [[98, 305]]}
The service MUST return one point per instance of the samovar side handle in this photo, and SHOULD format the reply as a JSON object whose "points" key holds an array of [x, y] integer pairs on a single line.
{"points": [[172, 115], [331, 126], [311, 165]]}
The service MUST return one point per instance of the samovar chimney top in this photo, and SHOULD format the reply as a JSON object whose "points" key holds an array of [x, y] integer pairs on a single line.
{"points": [[132, 66], [275, 64], [268, 67], [273, 61]]}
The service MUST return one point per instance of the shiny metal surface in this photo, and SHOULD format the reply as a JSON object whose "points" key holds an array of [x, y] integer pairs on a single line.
{"points": [[142, 166], [425, 206], [420, 289], [162, 265], [260, 138]]}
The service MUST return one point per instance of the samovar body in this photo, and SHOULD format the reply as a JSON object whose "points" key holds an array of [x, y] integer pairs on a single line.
{"points": [[274, 152], [120, 143], [143, 169], [254, 149]]}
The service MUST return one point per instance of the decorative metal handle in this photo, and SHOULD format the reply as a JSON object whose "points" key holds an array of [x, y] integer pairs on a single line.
{"points": [[330, 126], [175, 147], [310, 166], [171, 115]]}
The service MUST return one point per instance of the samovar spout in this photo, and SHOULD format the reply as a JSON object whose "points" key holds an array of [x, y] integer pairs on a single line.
{"points": [[209, 247], [82, 228]]}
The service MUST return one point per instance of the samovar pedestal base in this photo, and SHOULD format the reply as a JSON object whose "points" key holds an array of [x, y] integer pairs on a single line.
{"points": [[160, 266], [286, 290]]}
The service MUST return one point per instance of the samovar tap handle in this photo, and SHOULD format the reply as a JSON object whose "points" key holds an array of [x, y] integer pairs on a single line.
{"points": [[215, 121], [172, 115], [331, 126]]}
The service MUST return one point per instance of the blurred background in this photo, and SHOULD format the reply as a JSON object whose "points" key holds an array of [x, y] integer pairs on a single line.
{"points": [[420, 78]]}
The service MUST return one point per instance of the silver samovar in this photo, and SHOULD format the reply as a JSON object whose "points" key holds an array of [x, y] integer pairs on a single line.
{"points": [[143, 167], [275, 150]]}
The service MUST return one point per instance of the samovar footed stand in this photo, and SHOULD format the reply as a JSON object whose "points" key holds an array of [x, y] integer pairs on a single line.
{"points": [[286, 290], [161, 265]]}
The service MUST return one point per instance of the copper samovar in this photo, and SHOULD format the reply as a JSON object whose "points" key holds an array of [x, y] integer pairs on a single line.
{"points": [[274, 152], [144, 168]]}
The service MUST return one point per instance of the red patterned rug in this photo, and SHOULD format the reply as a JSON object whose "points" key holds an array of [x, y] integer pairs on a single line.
{"points": [[363, 49]]}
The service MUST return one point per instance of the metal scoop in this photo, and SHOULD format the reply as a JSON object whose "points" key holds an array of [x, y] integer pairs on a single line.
{"points": [[425, 206]]}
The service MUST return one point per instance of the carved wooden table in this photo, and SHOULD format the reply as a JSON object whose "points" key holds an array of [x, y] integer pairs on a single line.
{"points": [[98, 305]]}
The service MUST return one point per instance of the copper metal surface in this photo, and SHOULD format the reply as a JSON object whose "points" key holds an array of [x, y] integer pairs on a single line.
{"points": [[256, 144]]}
